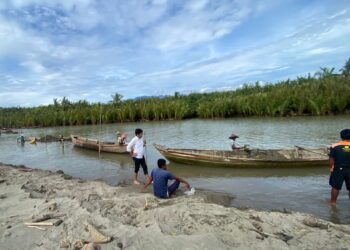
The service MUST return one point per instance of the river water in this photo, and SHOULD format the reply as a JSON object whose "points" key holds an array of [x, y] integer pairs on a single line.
{"points": [[302, 189]]}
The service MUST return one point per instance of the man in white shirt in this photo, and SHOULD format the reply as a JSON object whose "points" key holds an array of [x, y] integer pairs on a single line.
{"points": [[137, 149]]}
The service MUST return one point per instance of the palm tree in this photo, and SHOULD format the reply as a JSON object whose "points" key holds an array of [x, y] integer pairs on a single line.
{"points": [[346, 69], [116, 99], [325, 72]]}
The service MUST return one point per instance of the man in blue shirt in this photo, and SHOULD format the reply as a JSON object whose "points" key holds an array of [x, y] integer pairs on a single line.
{"points": [[160, 177], [339, 163]]}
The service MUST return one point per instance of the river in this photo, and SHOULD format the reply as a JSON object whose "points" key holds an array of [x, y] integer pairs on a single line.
{"points": [[302, 189]]}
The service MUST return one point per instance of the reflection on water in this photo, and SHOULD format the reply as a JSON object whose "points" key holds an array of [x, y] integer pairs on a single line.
{"points": [[334, 214], [207, 171], [300, 189], [119, 160]]}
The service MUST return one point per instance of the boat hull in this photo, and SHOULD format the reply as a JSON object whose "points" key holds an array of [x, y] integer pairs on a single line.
{"points": [[241, 158], [109, 147]]}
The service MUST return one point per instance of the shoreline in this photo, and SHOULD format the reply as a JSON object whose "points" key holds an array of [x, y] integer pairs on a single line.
{"points": [[186, 119], [137, 220]]}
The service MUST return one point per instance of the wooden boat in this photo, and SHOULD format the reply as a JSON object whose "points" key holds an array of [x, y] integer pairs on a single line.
{"points": [[110, 147], [248, 157], [48, 138], [8, 131]]}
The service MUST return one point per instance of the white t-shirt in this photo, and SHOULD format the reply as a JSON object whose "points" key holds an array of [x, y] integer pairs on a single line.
{"points": [[136, 145]]}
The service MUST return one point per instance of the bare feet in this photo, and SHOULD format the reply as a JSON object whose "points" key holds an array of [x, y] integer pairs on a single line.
{"points": [[136, 182], [332, 203]]}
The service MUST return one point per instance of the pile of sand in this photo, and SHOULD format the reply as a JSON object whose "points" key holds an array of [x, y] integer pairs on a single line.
{"points": [[135, 220]]}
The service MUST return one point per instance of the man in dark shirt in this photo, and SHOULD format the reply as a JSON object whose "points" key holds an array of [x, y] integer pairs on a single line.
{"points": [[339, 163], [160, 177]]}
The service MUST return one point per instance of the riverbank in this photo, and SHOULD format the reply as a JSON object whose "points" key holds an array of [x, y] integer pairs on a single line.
{"points": [[302, 96], [128, 219]]}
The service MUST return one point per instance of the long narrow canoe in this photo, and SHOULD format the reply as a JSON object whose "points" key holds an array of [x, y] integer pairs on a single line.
{"points": [[48, 138], [8, 131], [298, 157], [110, 147]]}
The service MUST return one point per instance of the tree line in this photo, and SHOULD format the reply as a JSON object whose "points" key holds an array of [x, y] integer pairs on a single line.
{"points": [[323, 93]]}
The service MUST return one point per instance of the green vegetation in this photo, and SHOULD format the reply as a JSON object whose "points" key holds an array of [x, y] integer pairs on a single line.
{"points": [[322, 94]]}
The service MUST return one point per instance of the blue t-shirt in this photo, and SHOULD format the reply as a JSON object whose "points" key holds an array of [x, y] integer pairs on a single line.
{"points": [[160, 182]]}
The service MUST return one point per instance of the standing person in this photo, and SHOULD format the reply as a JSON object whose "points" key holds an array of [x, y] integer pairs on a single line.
{"points": [[160, 177], [21, 139], [137, 149], [339, 163]]}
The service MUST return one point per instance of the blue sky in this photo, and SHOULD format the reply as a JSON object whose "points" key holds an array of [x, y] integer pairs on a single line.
{"points": [[91, 49]]}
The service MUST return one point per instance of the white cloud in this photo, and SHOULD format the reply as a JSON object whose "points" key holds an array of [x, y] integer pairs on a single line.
{"points": [[28, 99], [340, 13], [204, 90], [320, 51], [197, 22], [67, 4], [34, 66], [257, 62], [92, 49]]}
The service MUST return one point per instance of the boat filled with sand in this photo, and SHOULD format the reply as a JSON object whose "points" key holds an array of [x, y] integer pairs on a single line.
{"points": [[297, 157]]}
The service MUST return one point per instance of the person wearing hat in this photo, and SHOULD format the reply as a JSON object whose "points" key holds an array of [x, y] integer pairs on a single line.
{"points": [[234, 145], [339, 163]]}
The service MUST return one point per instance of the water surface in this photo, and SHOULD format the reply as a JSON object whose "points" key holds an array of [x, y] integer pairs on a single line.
{"points": [[301, 189]]}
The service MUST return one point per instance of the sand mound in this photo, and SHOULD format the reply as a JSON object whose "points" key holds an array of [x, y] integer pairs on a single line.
{"points": [[120, 215]]}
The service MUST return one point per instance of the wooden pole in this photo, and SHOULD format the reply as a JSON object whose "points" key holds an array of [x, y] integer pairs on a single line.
{"points": [[144, 138], [99, 134]]}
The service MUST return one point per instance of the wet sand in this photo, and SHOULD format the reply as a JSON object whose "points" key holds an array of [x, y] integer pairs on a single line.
{"points": [[124, 218]]}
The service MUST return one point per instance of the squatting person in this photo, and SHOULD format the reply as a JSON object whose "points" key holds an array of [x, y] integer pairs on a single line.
{"points": [[160, 177]]}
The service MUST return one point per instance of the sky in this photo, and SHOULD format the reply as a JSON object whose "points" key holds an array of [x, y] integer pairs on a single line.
{"points": [[92, 49]]}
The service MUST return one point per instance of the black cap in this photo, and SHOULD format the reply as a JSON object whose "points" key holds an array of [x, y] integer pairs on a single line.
{"points": [[345, 134], [233, 136]]}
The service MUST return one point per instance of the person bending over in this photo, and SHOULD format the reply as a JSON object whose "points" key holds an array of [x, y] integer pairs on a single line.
{"points": [[234, 144], [339, 163], [160, 177]]}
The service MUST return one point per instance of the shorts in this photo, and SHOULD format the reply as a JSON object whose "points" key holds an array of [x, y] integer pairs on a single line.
{"points": [[338, 176], [140, 162], [173, 187]]}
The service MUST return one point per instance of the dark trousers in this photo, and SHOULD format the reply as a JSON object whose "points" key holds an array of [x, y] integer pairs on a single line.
{"points": [[142, 163], [173, 187]]}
